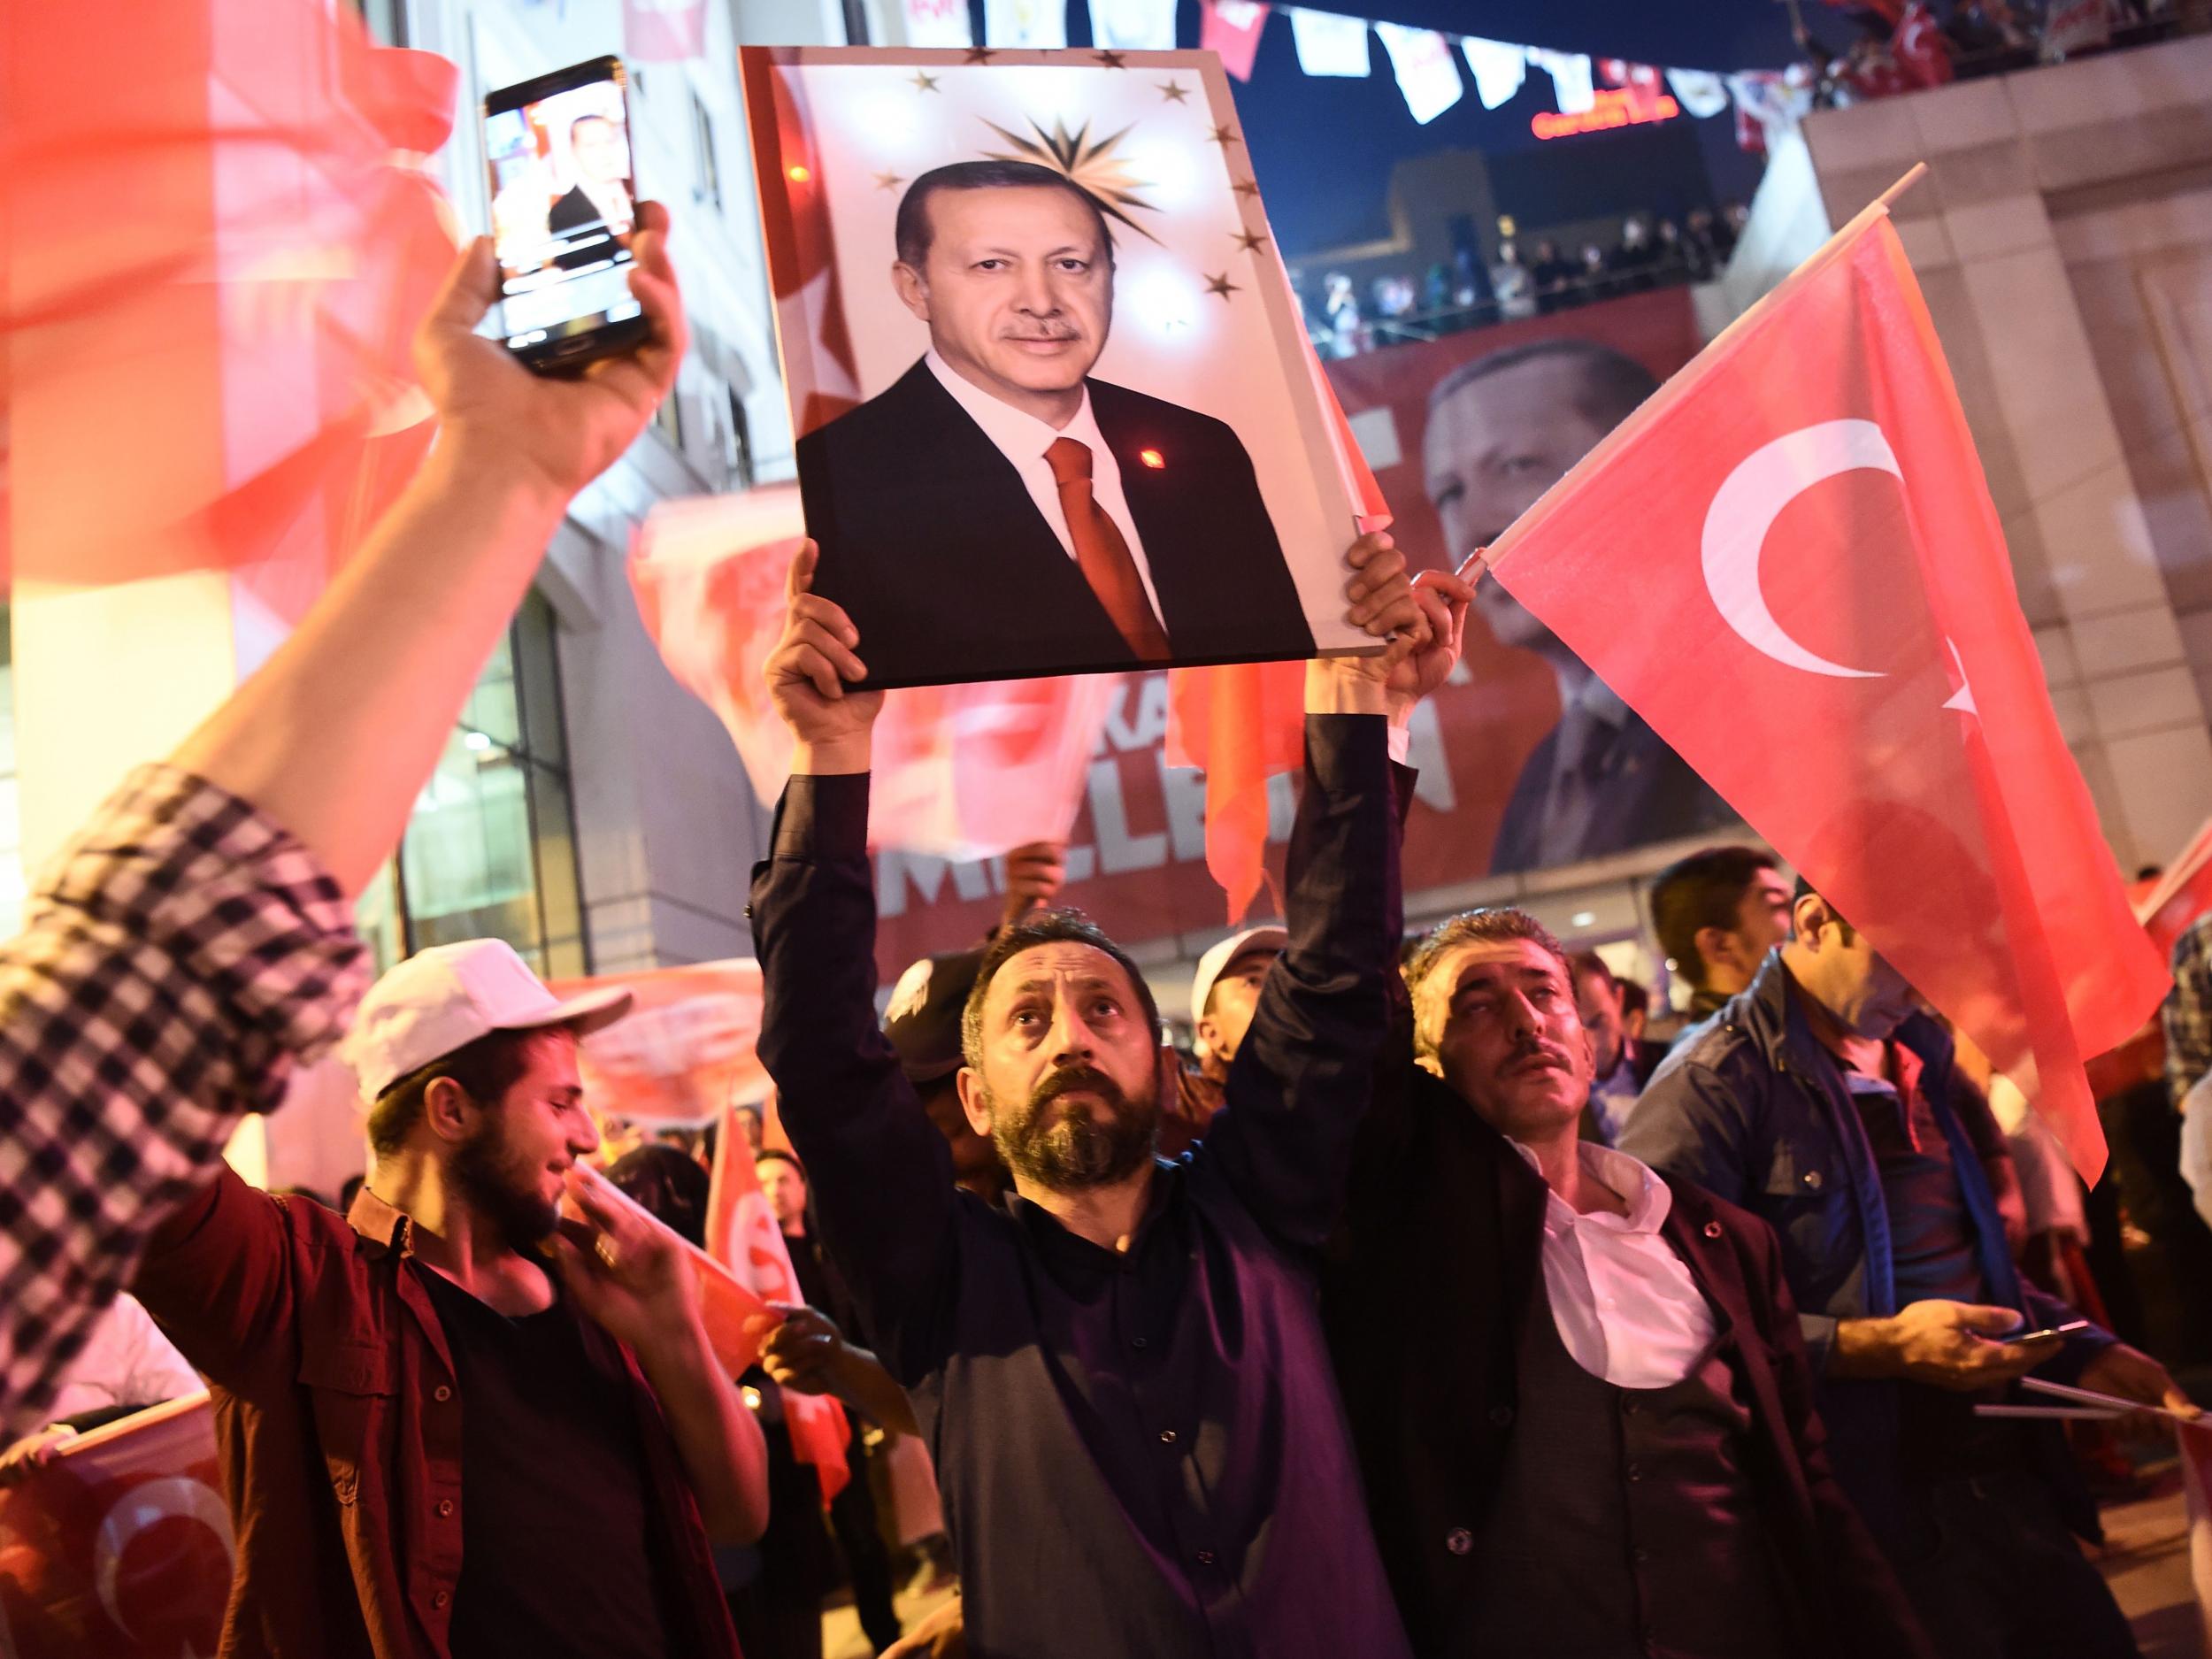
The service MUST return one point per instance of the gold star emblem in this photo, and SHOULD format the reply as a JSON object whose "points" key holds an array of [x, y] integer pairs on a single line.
{"points": [[888, 181], [1223, 136], [1093, 165], [1245, 186], [1174, 92], [1221, 285], [980, 54], [1251, 242], [1111, 61], [924, 81]]}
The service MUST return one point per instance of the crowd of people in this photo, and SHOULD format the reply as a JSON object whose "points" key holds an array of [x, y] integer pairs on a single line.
{"points": [[1430, 1307], [1905, 46], [1523, 279]]}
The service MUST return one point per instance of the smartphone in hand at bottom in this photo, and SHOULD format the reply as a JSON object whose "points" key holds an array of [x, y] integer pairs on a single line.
{"points": [[2068, 1329], [563, 196]]}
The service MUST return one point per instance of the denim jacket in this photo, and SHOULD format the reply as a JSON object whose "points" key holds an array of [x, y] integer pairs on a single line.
{"points": [[1751, 1107]]}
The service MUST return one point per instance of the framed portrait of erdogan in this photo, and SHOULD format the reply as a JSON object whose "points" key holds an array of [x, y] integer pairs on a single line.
{"points": [[1054, 405]]}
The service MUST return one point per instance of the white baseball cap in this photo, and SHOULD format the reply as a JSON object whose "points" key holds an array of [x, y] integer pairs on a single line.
{"points": [[446, 997], [1216, 961]]}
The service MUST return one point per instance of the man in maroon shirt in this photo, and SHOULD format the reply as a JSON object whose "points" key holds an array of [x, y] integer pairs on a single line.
{"points": [[434, 1443]]}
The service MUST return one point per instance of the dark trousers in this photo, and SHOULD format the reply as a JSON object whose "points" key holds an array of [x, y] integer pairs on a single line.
{"points": [[852, 1513], [1993, 1573]]}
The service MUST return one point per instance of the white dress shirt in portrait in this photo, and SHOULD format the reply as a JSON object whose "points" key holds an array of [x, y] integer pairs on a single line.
{"points": [[1626, 1307], [1023, 438]]}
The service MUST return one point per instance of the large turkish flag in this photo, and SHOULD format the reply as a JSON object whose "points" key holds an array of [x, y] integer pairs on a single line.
{"points": [[1788, 562]]}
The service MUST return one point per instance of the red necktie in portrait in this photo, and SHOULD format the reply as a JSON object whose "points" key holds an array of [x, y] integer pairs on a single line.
{"points": [[1101, 554]]}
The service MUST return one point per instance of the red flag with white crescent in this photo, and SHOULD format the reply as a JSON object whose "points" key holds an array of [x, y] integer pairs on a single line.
{"points": [[122, 1545], [1799, 517], [235, 315], [741, 1232]]}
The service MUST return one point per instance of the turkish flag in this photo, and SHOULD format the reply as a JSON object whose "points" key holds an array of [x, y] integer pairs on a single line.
{"points": [[1920, 49], [1788, 562], [1232, 28], [224, 240], [121, 1545], [2167, 903], [1241, 722], [742, 1233]]}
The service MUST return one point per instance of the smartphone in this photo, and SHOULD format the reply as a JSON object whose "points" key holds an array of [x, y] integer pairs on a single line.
{"points": [[2068, 1329], [563, 196]]}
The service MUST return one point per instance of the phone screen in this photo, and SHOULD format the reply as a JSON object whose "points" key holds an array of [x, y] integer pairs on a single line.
{"points": [[564, 210]]}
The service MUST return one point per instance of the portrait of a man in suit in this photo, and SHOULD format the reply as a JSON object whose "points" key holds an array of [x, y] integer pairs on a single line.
{"points": [[600, 195], [1000, 512], [1501, 430]]}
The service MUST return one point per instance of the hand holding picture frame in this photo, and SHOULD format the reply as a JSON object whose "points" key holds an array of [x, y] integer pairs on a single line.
{"points": [[1055, 408]]}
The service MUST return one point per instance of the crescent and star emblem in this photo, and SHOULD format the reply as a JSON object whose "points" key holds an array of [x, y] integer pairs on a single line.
{"points": [[1744, 509]]}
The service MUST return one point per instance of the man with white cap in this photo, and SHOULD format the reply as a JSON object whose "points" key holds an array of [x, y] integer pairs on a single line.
{"points": [[1226, 989], [429, 1431]]}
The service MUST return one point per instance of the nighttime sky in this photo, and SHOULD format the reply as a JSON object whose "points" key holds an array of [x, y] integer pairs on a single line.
{"points": [[1323, 149]]}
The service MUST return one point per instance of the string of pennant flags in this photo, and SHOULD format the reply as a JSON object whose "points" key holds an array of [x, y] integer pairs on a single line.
{"points": [[1591, 93]]}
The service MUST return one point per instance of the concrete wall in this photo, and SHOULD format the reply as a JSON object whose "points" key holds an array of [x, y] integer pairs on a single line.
{"points": [[2064, 241]]}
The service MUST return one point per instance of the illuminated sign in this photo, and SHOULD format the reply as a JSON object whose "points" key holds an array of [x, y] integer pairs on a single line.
{"points": [[1622, 106]]}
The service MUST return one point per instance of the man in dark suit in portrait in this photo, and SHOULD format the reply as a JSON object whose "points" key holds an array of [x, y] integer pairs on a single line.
{"points": [[1501, 430], [997, 512]]}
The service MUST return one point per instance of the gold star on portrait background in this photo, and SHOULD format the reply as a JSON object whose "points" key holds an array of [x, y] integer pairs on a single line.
{"points": [[1221, 285], [1245, 186], [1111, 61], [1223, 136], [981, 54], [1174, 92], [888, 181], [1089, 163], [1251, 242], [924, 81]]}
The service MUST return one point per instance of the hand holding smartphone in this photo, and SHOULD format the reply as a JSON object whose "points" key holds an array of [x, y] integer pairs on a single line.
{"points": [[564, 211]]}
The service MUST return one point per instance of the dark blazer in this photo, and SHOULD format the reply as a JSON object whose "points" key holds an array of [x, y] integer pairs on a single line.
{"points": [[935, 549], [1436, 1267], [1651, 796], [1748, 1104], [573, 211]]}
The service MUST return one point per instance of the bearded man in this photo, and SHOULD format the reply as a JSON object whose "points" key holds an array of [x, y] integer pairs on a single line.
{"points": [[1121, 1375], [423, 1421]]}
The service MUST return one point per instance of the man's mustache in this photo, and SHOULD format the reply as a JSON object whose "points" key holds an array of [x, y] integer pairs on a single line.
{"points": [[1072, 1079]]}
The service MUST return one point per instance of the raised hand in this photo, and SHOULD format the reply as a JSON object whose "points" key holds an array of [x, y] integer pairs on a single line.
{"points": [[1382, 603], [807, 673], [1444, 598], [560, 431]]}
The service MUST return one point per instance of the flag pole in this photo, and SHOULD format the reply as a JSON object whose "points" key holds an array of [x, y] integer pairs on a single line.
{"points": [[1490, 558]]}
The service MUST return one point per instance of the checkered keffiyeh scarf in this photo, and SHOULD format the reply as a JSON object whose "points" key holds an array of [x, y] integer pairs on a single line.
{"points": [[177, 958]]}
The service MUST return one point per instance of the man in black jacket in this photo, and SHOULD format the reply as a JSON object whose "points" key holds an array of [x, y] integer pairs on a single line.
{"points": [[997, 512], [1121, 1375], [1606, 1445], [1824, 1102]]}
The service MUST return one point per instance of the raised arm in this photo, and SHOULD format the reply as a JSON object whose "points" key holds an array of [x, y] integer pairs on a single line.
{"points": [[1305, 1073], [196, 940], [880, 1173]]}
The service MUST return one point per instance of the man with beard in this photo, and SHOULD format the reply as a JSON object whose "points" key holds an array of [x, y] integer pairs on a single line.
{"points": [[1121, 1375], [415, 1412]]}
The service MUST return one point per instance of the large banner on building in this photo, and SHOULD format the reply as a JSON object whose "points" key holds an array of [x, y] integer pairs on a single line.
{"points": [[1526, 761]]}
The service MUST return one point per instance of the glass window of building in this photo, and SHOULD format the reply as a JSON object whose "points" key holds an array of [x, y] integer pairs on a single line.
{"points": [[490, 851]]}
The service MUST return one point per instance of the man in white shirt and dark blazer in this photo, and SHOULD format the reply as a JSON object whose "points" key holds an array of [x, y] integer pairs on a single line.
{"points": [[1583, 1410], [997, 512]]}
